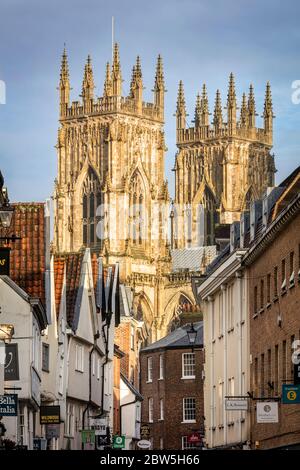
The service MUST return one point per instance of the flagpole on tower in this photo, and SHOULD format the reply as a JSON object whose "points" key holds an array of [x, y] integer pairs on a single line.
{"points": [[112, 37]]}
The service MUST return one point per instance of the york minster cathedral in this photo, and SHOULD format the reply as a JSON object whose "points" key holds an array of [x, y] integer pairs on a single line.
{"points": [[111, 194]]}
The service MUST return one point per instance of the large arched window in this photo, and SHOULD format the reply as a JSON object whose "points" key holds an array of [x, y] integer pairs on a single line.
{"points": [[137, 209], [91, 199]]}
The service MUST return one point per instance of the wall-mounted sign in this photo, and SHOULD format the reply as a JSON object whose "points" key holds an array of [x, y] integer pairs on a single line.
{"points": [[8, 405], [4, 261], [118, 442], [52, 431], [145, 431], [50, 414], [11, 367], [194, 438], [144, 444], [297, 374], [88, 436], [99, 426], [290, 394], [267, 412], [236, 404]]}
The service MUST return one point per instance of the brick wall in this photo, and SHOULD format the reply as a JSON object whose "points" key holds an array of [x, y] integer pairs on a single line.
{"points": [[172, 389], [267, 335]]}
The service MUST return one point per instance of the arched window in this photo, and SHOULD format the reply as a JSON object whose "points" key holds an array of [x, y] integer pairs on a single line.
{"points": [[137, 209], [91, 199]]}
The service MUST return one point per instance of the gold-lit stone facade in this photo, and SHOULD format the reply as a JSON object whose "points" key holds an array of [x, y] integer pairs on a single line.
{"points": [[220, 166], [110, 193]]}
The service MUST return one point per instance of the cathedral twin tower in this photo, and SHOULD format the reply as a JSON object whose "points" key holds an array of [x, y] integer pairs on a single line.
{"points": [[111, 196]]}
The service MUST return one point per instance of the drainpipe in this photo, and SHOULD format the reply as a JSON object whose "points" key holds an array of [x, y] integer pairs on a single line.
{"points": [[90, 391], [121, 408], [106, 337]]}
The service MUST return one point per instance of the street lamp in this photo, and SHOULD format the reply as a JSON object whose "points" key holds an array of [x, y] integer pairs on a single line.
{"points": [[6, 213], [192, 335]]}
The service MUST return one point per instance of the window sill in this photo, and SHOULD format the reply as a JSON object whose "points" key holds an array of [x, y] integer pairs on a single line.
{"points": [[46, 370], [292, 284], [242, 322], [160, 378], [160, 420], [189, 421], [190, 377], [220, 336], [255, 315], [283, 292], [220, 426], [269, 305], [275, 299], [81, 371], [231, 423], [149, 381], [261, 310]]}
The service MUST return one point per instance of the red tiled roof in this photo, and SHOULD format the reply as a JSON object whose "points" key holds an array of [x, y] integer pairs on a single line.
{"points": [[59, 266], [72, 263], [28, 254]]}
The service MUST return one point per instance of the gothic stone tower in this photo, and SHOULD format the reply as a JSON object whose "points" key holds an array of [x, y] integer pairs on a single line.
{"points": [[110, 194], [220, 166]]}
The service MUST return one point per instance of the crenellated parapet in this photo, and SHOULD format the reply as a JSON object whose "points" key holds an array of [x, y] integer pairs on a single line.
{"points": [[112, 100], [242, 126]]}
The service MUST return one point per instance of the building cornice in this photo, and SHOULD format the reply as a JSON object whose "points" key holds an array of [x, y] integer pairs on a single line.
{"points": [[222, 275], [276, 227]]}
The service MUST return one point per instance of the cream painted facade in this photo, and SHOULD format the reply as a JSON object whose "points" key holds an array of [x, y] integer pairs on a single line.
{"points": [[28, 318], [226, 340]]}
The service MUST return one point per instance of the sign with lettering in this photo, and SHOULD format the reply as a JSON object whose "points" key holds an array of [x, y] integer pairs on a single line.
{"points": [[267, 412], [11, 367], [4, 261], [118, 442], [8, 405], [145, 431], [290, 394], [239, 404], [50, 414]]}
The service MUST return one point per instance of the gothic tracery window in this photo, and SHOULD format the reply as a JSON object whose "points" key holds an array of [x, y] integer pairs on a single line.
{"points": [[91, 199], [137, 208]]}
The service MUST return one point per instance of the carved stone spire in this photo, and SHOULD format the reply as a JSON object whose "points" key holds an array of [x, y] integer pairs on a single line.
{"points": [[231, 106], [218, 116], [64, 84], [180, 110], [107, 83], [88, 82], [251, 107], [198, 111], [204, 106], [268, 110], [116, 73], [244, 112], [159, 86], [136, 85]]}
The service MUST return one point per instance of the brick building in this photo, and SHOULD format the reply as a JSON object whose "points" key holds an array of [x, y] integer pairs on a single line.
{"points": [[273, 263], [172, 388]]}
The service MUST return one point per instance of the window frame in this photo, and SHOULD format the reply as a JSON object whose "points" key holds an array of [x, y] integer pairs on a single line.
{"points": [[185, 409], [183, 374]]}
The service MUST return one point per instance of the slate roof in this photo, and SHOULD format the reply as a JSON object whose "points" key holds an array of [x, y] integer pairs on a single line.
{"points": [[191, 258], [132, 388], [178, 339], [27, 257]]}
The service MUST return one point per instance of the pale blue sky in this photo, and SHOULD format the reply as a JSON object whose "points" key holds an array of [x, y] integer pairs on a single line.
{"points": [[199, 41]]}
